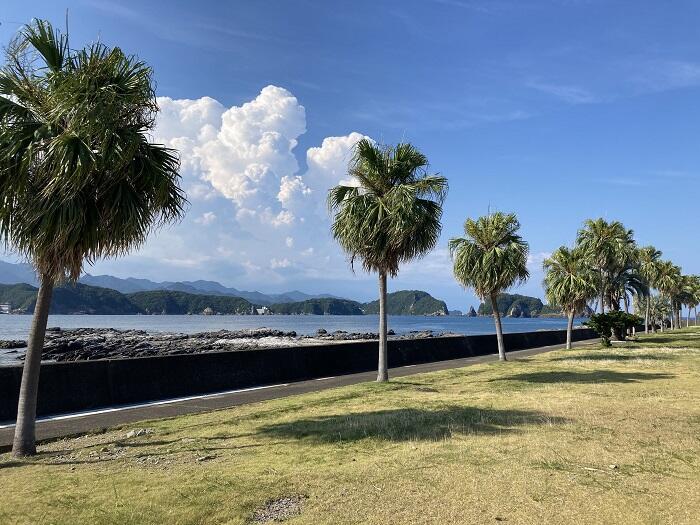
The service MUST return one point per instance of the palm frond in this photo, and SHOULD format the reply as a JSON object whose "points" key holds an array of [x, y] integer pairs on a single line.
{"points": [[393, 216], [492, 256], [79, 179]]}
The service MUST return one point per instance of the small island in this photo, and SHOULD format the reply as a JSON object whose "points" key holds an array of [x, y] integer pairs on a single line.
{"points": [[516, 305]]}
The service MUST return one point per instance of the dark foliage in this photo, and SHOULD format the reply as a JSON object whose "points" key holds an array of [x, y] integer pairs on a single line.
{"points": [[613, 323]]}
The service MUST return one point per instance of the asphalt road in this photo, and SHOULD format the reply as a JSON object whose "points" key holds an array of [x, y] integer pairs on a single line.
{"points": [[54, 427]]}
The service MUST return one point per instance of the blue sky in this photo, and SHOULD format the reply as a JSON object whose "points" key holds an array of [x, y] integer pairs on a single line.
{"points": [[558, 110]]}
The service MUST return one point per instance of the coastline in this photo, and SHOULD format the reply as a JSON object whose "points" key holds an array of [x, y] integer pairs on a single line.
{"points": [[87, 344], [99, 337]]}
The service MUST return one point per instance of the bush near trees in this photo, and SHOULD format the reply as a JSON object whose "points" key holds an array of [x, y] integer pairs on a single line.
{"points": [[611, 324]]}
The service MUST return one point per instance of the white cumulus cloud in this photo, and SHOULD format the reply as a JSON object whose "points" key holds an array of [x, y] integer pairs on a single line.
{"points": [[280, 263], [252, 150], [266, 218], [206, 218]]}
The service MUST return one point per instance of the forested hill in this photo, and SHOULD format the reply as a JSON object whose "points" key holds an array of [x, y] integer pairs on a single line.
{"points": [[70, 299], [409, 302], [84, 299], [180, 303], [515, 305], [324, 306]]}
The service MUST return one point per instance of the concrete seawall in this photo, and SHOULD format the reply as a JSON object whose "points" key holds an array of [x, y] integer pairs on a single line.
{"points": [[84, 385]]}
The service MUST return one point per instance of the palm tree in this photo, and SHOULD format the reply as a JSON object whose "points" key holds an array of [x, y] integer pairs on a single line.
{"points": [[623, 281], [649, 259], [668, 282], [391, 217], [659, 308], [606, 245], [491, 258], [687, 296], [79, 179], [695, 283], [569, 283]]}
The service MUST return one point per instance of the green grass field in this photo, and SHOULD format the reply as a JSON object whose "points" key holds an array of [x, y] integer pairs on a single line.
{"points": [[584, 436]]}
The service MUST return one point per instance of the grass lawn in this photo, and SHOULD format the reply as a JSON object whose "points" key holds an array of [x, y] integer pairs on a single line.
{"points": [[584, 436]]}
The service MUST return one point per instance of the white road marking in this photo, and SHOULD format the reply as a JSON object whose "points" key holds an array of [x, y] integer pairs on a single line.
{"points": [[76, 415], [324, 378]]}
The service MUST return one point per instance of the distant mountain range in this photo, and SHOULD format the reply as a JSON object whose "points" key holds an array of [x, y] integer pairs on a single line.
{"points": [[106, 294], [24, 273], [84, 299]]}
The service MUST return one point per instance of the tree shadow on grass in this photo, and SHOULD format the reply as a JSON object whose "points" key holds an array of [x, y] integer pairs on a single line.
{"points": [[408, 424], [612, 357], [663, 340], [597, 376]]}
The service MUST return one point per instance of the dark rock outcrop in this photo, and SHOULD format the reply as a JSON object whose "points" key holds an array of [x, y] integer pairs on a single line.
{"points": [[9, 344], [107, 343]]}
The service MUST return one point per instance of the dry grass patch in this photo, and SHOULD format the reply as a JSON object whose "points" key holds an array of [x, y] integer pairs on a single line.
{"points": [[585, 436]]}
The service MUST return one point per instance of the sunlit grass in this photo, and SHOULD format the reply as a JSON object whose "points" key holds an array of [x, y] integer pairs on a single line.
{"points": [[584, 436]]}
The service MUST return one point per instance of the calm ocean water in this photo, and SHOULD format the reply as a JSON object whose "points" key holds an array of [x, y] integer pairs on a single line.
{"points": [[17, 326]]}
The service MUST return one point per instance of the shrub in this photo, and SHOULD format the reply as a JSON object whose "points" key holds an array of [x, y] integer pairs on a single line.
{"points": [[616, 323]]}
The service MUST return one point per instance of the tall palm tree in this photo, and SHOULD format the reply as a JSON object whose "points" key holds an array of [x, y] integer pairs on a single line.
{"points": [[649, 259], [491, 258], [606, 244], [695, 284], [569, 283], [659, 308], [686, 296], [625, 280], [391, 217], [79, 179], [668, 282]]}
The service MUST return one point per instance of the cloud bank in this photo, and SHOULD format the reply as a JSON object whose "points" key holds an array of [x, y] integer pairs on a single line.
{"points": [[256, 217]]}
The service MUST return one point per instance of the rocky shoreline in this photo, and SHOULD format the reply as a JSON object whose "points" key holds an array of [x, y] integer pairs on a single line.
{"points": [[82, 344]]}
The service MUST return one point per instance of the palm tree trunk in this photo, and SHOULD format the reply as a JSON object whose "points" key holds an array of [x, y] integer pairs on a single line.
{"points": [[499, 329], [627, 303], [569, 330], [602, 291], [25, 438], [676, 317], [646, 315], [673, 315], [382, 371]]}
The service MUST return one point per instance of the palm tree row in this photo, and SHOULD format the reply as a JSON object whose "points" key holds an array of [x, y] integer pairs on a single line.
{"points": [[607, 266], [393, 215], [80, 180]]}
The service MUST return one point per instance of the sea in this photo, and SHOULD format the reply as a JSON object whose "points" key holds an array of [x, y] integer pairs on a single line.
{"points": [[17, 326]]}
